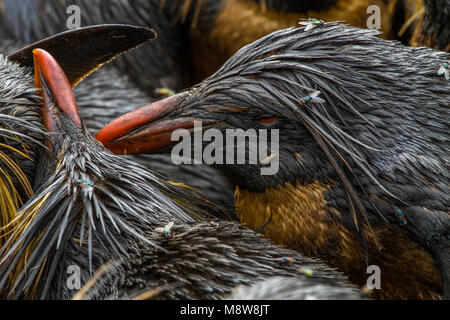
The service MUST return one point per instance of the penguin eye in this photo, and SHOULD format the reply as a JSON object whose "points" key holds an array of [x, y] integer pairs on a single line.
{"points": [[268, 120]]}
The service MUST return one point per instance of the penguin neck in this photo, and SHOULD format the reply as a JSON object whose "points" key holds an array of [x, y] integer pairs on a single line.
{"points": [[299, 217]]}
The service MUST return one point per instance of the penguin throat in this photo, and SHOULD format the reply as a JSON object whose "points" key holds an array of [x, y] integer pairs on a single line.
{"points": [[292, 215]]}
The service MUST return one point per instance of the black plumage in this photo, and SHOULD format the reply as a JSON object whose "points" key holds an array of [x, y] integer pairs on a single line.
{"points": [[19, 129], [61, 175], [131, 80], [376, 150], [109, 215], [91, 207], [208, 260], [432, 28], [30, 20], [100, 100]]}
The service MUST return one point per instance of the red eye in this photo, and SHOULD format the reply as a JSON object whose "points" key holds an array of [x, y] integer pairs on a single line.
{"points": [[269, 120]]}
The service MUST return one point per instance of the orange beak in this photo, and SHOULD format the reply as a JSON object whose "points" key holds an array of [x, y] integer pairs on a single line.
{"points": [[144, 130], [56, 91]]}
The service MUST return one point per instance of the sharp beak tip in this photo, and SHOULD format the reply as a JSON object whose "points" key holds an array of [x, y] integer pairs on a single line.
{"points": [[39, 52], [47, 69]]}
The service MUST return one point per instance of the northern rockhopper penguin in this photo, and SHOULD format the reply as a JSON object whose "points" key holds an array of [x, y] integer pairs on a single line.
{"points": [[91, 207], [129, 80], [21, 131], [219, 28], [18, 129], [195, 37], [101, 99], [363, 175]]}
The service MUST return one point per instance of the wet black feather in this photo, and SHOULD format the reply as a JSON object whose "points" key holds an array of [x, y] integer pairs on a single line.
{"points": [[89, 198], [383, 131]]}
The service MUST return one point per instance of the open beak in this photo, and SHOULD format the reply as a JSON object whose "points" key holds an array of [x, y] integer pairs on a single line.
{"points": [[56, 91], [144, 130]]}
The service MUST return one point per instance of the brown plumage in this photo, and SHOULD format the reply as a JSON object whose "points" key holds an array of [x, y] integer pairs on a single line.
{"points": [[363, 176], [237, 23]]}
